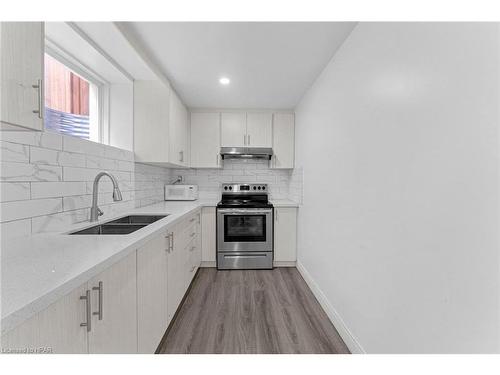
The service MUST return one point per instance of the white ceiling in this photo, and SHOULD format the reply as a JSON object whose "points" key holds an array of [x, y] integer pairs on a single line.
{"points": [[270, 64], [109, 38]]}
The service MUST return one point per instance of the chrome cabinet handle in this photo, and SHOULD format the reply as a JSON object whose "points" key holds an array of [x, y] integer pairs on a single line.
{"points": [[276, 215], [244, 139], [192, 234], [181, 156], [192, 248], [167, 237], [248, 211], [38, 88], [99, 289], [88, 322], [193, 219], [172, 241], [248, 139]]}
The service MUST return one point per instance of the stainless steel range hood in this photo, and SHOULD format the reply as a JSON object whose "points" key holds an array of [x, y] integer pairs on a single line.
{"points": [[246, 153]]}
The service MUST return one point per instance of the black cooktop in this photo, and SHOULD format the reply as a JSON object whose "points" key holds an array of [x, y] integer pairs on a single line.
{"points": [[241, 204], [248, 201]]}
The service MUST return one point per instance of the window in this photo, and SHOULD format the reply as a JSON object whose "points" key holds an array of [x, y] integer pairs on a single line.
{"points": [[71, 102]]}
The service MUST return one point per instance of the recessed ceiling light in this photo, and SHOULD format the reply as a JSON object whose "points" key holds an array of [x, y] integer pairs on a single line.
{"points": [[224, 81]]}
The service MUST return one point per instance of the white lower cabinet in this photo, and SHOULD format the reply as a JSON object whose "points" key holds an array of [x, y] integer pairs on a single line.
{"points": [[208, 236], [193, 249], [98, 317], [184, 258], [56, 329], [285, 238], [152, 313], [114, 309], [175, 273]]}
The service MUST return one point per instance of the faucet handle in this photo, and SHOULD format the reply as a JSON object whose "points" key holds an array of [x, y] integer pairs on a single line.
{"points": [[99, 212]]}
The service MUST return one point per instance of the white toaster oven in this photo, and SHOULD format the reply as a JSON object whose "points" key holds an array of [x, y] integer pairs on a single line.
{"points": [[181, 192]]}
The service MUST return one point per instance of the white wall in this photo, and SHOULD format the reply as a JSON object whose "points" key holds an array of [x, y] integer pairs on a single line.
{"points": [[398, 142], [121, 115]]}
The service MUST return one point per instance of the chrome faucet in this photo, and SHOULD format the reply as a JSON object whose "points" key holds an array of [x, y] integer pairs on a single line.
{"points": [[95, 211]]}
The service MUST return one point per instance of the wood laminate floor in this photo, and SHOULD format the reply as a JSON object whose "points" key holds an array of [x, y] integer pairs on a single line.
{"points": [[265, 311]]}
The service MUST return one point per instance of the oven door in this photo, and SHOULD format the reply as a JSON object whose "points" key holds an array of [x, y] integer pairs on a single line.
{"points": [[244, 229]]}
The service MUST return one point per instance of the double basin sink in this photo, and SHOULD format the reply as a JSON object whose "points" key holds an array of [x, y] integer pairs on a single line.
{"points": [[123, 225]]}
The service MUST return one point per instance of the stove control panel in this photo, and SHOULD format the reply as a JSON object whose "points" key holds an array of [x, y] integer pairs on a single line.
{"points": [[244, 188]]}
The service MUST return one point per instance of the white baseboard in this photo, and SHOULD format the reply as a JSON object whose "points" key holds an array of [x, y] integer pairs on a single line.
{"points": [[285, 264], [349, 339]]}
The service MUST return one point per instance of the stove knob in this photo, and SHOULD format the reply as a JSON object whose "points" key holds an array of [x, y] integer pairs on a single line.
{"points": [[263, 188], [230, 188], [258, 188], [255, 187], [225, 187]]}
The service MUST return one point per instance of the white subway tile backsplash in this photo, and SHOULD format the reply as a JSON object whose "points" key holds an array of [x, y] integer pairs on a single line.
{"points": [[14, 152], [98, 162], [49, 140], [29, 208], [14, 191], [89, 174], [40, 139], [59, 222], [52, 157], [13, 229], [82, 146], [43, 174], [57, 189], [21, 137], [23, 172], [85, 201], [245, 171]]}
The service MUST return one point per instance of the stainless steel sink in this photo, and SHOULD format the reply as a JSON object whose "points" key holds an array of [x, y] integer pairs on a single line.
{"points": [[122, 225], [137, 219]]}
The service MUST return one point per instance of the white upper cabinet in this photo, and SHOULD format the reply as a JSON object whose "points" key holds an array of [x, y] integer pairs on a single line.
{"points": [[246, 129], [161, 131], [178, 125], [205, 140], [242, 129], [233, 129], [259, 129], [21, 77], [283, 140]]}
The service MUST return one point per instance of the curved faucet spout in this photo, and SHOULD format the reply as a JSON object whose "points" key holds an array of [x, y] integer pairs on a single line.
{"points": [[95, 212]]}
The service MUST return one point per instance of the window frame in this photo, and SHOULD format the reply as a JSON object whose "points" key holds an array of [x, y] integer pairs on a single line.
{"points": [[103, 86]]}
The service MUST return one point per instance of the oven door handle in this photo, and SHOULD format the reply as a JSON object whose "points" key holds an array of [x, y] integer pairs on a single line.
{"points": [[249, 211]]}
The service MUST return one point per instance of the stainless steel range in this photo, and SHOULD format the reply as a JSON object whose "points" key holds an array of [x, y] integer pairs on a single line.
{"points": [[244, 227]]}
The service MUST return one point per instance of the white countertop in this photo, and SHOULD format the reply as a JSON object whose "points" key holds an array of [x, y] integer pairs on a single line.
{"points": [[38, 270]]}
